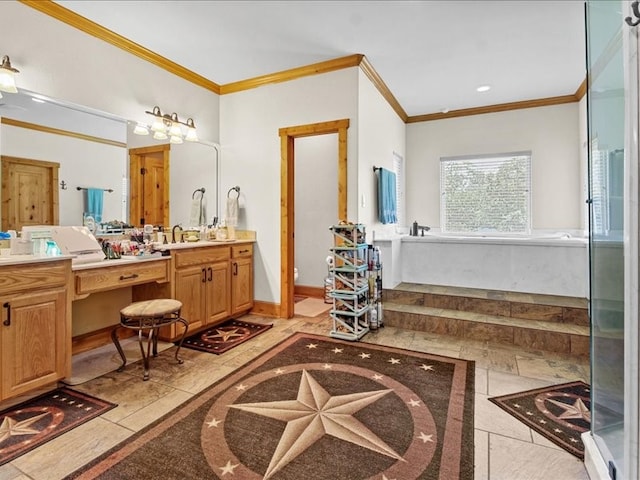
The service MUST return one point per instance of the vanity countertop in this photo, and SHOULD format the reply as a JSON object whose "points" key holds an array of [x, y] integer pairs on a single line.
{"points": [[200, 244], [124, 260], [27, 259]]}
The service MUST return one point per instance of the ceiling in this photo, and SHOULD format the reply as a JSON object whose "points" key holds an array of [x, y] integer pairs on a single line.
{"points": [[431, 54]]}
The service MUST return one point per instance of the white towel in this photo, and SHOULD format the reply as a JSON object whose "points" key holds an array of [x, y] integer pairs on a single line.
{"points": [[197, 214], [231, 213]]}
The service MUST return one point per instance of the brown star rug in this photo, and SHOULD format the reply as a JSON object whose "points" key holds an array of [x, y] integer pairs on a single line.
{"points": [[34, 422], [225, 336], [560, 413], [313, 408]]}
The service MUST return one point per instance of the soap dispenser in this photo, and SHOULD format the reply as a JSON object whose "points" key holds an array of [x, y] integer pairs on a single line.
{"points": [[414, 229]]}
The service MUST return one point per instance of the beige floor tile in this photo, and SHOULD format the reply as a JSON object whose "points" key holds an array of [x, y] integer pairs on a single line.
{"points": [[554, 371], [540, 440], [481, 455], [511, 459], [501, 383], [9, 472], [493, 419], [146, 415], [61, 456], [491, 359], [482, 380]]}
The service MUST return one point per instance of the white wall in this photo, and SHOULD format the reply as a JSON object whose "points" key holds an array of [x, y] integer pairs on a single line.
{"points": [[551, 133], [83, 163], [380, 133], [251, 154], [62, 62], [316, 205]]}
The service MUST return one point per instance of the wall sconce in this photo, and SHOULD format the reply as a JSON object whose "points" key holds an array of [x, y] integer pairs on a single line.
{"points": [[7, 76], [167, 126]]}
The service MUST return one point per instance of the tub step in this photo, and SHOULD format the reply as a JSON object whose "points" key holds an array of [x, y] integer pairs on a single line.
{"points": [[525, 306], [537, 334]]}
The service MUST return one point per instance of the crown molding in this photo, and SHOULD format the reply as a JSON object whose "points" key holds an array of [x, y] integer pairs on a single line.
{"points": [[58, 12], [58, 131], [377, 81], [502, 107], [292, 74]]}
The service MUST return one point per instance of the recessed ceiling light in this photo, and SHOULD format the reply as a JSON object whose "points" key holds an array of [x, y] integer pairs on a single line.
{"points": [[483, 88]]}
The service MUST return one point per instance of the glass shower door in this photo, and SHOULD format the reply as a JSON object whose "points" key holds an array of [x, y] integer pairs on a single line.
{"points": [[606, 127]]}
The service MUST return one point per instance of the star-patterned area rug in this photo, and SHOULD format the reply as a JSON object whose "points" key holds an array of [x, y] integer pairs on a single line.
{"points": [[313, 408], [34, 422], [560, 413], [225, 336]]}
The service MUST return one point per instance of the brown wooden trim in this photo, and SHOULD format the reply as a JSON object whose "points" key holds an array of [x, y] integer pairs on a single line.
{"points": [[266, 309], [287, 197], [69, 17], [503, 107], [58, 131], [377, 81], [293, 74], [581, 91], [96, 339], [150, 149], [307, 291]]}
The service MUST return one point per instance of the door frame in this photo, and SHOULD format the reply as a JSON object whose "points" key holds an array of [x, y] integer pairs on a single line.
{"points": [[287, 197], [134, 168]]}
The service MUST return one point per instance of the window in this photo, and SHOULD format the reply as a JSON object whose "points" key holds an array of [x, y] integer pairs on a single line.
{"points": [[486, 193], [398, 169]]}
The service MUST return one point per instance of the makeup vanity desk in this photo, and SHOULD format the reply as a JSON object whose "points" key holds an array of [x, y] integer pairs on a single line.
{"points": [[213, 280]]}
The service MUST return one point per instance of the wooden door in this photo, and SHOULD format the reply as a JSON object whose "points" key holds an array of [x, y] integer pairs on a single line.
{"points": [[33, 342], [149, 185], [218, 292], [29, 193]]}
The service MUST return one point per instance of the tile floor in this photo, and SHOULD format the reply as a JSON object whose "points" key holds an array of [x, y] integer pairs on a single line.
{"points": [[505, 449]]}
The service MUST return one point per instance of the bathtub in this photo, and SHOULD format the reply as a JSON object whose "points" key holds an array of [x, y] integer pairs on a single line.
{"points": [[545, 263]]}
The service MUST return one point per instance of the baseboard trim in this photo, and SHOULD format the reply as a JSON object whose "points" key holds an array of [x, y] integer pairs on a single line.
{"points": [[268, 309], [307, 291]]}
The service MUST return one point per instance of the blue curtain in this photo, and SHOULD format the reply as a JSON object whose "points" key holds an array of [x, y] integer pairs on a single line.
{"points": [[387, 196], [94, 203]]}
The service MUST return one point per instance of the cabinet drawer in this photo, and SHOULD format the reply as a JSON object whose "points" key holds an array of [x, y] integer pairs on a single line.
{"points": [[34, 276], [201, 255], [108, 278], [239, 251]]}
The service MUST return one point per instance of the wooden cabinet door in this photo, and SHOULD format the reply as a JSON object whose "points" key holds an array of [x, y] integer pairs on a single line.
{"points": [[218, 292], [32, 335], [241, 285], [191, 288]]}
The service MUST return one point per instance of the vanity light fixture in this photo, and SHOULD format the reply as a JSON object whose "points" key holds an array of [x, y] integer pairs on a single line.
{"points": [[7, 76], [167, 126]]}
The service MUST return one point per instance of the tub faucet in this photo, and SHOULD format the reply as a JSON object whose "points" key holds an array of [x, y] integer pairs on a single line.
{"points": [[173, 233], [415, 227]]}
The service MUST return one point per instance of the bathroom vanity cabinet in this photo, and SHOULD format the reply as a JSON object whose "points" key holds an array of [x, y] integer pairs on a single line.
{"points": [[35, 334], [241, 278], [202, 284]]}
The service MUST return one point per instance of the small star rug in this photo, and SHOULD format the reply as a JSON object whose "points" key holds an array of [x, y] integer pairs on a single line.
{"points": [[313, 408], [225, 336], [560, 413], [34, 422]]}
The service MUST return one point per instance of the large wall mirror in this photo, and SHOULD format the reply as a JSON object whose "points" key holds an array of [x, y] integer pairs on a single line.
{"points": [[55, 153]]}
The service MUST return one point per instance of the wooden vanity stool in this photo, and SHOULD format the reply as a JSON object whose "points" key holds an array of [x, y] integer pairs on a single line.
{"points": [[148, 316]]}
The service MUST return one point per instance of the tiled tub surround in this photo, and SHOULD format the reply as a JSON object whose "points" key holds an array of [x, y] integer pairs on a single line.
{"points": [[546, 322], [545, 264]]}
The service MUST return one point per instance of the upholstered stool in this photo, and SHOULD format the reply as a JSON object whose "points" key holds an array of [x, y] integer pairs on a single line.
{"points": [[149, 316]]}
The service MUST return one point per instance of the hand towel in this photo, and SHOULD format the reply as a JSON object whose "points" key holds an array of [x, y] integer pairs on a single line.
{"points": [[387, 196], [197, 215], [94, 200], [231, 213]]}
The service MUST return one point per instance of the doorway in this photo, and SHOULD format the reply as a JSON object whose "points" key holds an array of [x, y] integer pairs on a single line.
{"points": [[287, 197], [149, 185], [29, 193]]}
